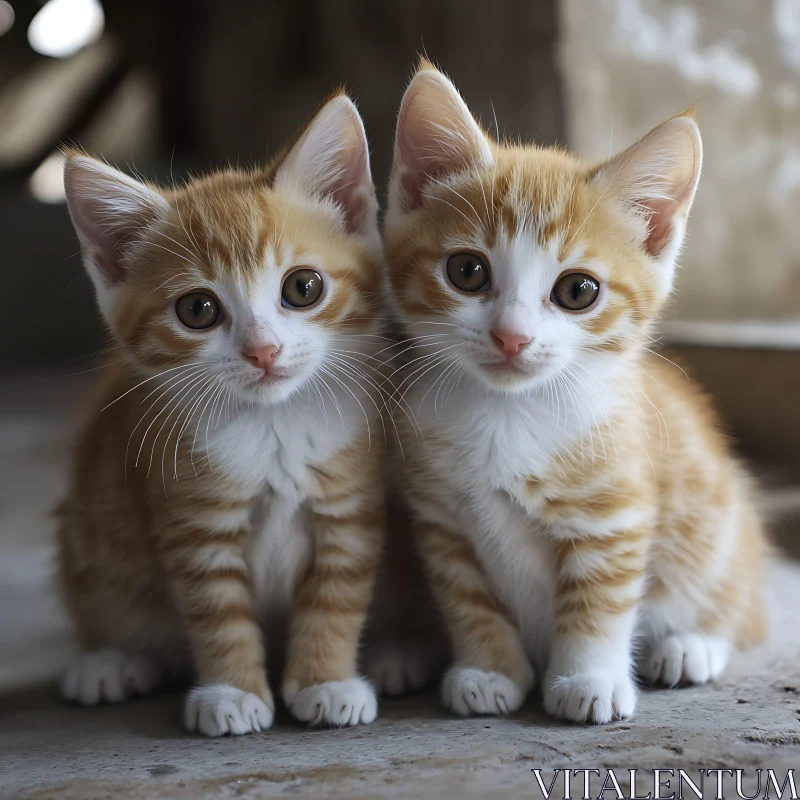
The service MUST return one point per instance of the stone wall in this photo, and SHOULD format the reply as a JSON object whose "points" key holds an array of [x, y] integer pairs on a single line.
{"points": [[628, 64]]}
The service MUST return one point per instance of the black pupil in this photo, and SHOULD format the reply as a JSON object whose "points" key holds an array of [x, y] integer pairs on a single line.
{"points": [[581, 288], [199, 306], [470, 268], [304, 286]]}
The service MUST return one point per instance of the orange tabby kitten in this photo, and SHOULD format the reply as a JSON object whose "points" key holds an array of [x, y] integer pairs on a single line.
{"points": [[227, 477], [575, 503]]}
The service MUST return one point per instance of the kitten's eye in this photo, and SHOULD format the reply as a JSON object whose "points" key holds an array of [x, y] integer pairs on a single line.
{"points": [[197, 310], [301, 289], [575, 291], [468, 272]]}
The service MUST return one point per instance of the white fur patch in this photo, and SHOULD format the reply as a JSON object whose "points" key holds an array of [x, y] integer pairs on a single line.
{"points": [[597, 697], [109, 676], [221, 709], [335, 703], [687, 658], [467, 691]]}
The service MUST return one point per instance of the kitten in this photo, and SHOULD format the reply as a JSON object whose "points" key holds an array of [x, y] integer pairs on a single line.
{"points": [[230, 472], [575, 503]]}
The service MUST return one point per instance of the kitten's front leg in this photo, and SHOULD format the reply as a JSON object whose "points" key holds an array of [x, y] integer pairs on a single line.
{"points": [[202, 549], [599, 583], [321, 684], [492, 674]]}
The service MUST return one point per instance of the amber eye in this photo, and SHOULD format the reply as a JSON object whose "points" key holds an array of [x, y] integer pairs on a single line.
{"points": [[301, 289], [468, 272], [197, 310], [575, 291]]}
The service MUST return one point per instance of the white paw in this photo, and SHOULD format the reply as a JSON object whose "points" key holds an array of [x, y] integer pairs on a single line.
{"points": [[108, 676], [395, 668], [467, 691], [220, 708], [686, 658], [595, 697], [335, 703]]}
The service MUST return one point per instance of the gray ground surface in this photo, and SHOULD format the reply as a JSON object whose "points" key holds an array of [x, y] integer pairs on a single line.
{"points": [[48, 750]]}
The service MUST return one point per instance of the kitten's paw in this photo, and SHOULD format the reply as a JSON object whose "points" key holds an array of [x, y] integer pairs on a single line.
{"points": [[595, 697], [686, 658], [220, 709], [109, 676], [335, 703], [395, 668], [467, 691]]}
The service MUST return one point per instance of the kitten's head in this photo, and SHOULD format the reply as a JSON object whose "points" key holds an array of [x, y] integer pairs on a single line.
{"points": [[523, 262], [250, 280]]}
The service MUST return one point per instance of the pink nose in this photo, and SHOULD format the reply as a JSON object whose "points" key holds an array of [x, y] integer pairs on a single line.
{"points": [[510, 343], [262, 357]]}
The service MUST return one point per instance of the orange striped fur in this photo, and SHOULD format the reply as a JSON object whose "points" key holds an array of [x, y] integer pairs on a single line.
{"points": [[226, 490], [575, 503]]}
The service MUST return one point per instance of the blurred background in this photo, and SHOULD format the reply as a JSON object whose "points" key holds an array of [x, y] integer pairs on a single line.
{"points": [[164, 87]]}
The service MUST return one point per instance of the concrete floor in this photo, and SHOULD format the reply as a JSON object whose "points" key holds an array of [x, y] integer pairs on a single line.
{"points": [[49, 750]]}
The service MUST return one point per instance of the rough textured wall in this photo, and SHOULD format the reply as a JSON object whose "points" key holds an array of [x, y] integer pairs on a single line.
{"points": [[630, 63]]}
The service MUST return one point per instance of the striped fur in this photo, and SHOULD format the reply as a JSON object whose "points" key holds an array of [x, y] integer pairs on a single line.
{"points": [[211, 503], [576, 505]]}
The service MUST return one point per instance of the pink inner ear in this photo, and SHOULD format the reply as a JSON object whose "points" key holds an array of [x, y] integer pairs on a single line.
{"points": [[105, 239], [659, 223], [662, 213], [108, 263], [355, 206], [349, 184], [414, 177], [411, 184], [348, 191]]}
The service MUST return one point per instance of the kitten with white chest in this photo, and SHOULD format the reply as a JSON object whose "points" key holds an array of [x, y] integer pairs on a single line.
{"points": [[228, 480], [575, 504]]}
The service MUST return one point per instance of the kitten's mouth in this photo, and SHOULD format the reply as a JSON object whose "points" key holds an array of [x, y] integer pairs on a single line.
{"points": [[511, 372], [507, 368], [275, 376], [272, 386]]}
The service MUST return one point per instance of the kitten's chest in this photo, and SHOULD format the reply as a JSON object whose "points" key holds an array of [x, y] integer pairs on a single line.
{"points": [[485, 476], [513, 547], [275, 452], [488, 456], [278, 450], [281, 543], [494, 444]]}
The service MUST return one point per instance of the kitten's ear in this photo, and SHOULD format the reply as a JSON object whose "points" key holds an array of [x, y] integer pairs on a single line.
{"points": [[331, 159], [107, 208], [657, 179], [436, 135]]}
